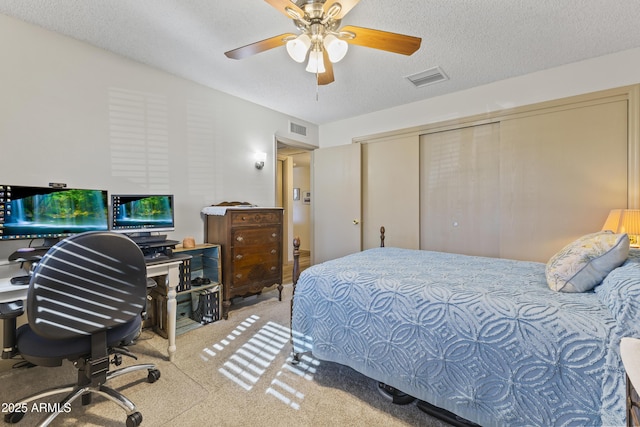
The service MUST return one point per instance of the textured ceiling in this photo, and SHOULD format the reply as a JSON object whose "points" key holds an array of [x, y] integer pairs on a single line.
{"points": [[474, 42]]}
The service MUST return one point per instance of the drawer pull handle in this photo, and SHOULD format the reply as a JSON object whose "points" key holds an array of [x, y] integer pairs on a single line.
{"points": [[239, 256], [238, 276], [244, 218], [274, 235], [273, 251], [274, 268], [239, 238]]}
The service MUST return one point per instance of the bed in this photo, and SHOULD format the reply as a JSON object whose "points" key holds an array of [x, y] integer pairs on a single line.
{"points": [[487, 339]]}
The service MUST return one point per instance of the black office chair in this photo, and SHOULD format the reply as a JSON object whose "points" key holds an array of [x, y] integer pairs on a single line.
{"points": [[84, 303]]}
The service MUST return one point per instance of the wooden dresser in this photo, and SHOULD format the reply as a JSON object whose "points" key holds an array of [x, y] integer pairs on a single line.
{"points": [[251, 241]]}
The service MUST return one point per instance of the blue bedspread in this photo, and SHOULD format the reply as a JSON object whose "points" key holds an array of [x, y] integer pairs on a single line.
{"points": [[484, 338]]}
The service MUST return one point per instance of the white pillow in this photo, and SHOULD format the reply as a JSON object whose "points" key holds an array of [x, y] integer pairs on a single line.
{"points": [[583, 264]]}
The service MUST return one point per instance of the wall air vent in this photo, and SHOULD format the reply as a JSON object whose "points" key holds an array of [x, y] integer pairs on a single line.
{"points": [[296, 128], [428, 77]]}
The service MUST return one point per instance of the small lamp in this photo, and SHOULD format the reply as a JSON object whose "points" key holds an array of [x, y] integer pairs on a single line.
{"points": [[625, 221], [260, 159]]}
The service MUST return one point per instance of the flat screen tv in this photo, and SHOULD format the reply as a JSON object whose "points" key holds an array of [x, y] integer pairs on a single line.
{"points": [[142, 214], [50, 213]]}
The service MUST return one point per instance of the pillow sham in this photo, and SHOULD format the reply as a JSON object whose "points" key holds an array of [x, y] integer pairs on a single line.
{"points": [[584, 263]]}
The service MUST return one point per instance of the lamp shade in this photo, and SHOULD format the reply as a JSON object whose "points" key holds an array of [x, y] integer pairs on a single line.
{"points": [[336, 48], [316, 62], [298, 47], [624, 221]]}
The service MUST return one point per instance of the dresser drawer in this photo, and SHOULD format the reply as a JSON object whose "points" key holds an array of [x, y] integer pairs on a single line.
{"points": [[255, 236], [255, 218], [246, 256], [256, 275]]}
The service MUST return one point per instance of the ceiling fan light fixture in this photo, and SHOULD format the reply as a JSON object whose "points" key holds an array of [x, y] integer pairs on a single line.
{"points": [[321, 39], [316, 62], [336, 48], [298, 47]]}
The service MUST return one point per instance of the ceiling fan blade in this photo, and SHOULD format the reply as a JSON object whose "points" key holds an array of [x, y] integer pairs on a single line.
{"points": [[282, 6], [383, 40], [326, 77], [257, 47], [346, 6]]}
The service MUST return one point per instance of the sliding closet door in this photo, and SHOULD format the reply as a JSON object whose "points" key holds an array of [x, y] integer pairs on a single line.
{"points": [[390, 192], [561, 172], [460, 190]]}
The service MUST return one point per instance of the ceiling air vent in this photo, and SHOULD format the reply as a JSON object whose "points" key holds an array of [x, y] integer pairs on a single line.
{"points": [[296, 128], [428, 77]]}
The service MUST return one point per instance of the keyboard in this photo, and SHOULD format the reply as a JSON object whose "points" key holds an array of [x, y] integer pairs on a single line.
{"points": [[142, 240], [156, 257]]}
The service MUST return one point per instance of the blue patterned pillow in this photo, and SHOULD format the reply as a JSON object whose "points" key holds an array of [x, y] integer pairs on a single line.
{"points": [[583, 264]]}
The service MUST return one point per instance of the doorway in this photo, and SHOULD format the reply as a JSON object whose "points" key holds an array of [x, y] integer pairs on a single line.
{"points": [[293, 171]]}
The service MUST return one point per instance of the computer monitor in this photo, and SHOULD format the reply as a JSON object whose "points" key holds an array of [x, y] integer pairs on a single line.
{"points": [[141, 214], [50, 213]]}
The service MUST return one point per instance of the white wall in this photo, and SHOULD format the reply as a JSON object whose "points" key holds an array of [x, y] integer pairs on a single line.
{"points": [[60, 117], [605, 72]]}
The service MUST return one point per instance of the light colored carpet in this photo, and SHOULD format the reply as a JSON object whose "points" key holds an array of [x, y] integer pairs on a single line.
{"points": [[229, 373]]}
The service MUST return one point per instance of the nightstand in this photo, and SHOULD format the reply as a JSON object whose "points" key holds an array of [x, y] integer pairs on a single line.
{"points": [[630, 354]]}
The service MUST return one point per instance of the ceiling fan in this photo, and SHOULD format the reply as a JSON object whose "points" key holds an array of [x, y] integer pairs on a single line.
{"points": [[321, 40]]}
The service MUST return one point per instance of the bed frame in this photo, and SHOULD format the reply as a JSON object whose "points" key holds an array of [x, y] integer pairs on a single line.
{"points": [[296, 257]]}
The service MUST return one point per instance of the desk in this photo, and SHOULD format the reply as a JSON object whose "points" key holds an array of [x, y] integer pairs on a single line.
{"points": [[9, 292], [169, 268]]}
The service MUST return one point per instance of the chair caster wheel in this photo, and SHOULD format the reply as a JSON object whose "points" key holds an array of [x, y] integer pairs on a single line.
{"points": [[86, 399], [13, 417], [134, 420], [394, 395], [153, 376]]}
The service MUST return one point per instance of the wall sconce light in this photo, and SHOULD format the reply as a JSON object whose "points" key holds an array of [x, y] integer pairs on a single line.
{"points": [[260, 159]]}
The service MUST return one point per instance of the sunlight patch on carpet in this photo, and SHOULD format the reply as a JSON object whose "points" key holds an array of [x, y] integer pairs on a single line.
{"points": [[251, 361], [246, 365], [219, 346], [288, 380]]}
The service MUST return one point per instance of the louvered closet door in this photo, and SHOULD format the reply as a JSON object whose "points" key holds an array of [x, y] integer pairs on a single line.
{"points": [[460, 190], [527, 186]]}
